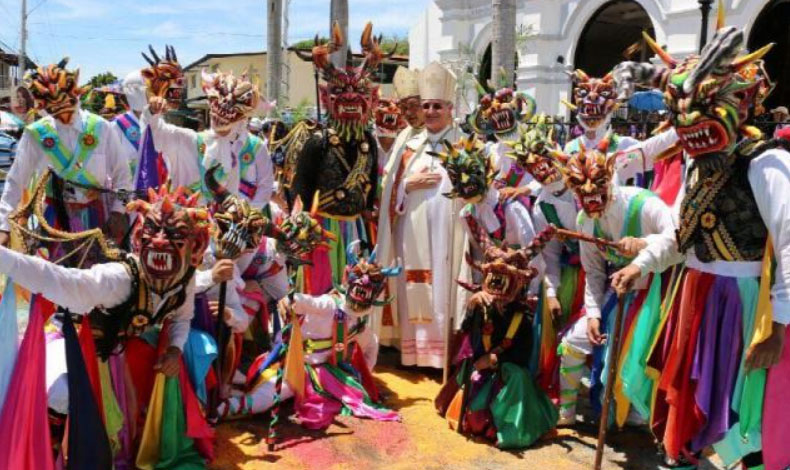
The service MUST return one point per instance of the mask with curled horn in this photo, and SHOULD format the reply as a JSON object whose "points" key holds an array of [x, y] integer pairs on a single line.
{"points": [[589, 174], [712, 96], [468, 167], [301, 232], [231, 99], [349, 95], [170, 236], [55, 90], [164, 77], [364, 279], [239, 226], [533, 148], [499, 113]]}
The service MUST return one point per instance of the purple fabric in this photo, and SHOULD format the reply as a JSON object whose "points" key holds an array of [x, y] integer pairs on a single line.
{"points": [[124, 457], [148, 170], [716, 360], [203, 319]]}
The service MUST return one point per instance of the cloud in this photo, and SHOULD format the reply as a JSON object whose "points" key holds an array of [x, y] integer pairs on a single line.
{"points": [[167, 29], [80, 9]]}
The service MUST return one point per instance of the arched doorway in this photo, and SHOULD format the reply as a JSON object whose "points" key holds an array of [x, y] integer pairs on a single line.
{"points": [[612, 31], [773, 25]]}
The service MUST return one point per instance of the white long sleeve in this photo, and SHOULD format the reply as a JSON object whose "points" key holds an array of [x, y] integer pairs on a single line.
{"points": [[565, 206], [640, 156], [79, 290], [264, 178], [658, 230], [769, 176], [106, 164], [181, 318], [178, 146]]}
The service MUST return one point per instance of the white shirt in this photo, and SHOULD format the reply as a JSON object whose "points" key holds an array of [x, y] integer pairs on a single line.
{"points": [[107, 164], [179, 149], [81, 290], [565, 205], [658, 230]]}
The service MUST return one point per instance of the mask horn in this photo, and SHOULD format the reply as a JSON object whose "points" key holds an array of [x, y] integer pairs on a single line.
{"points": [[351, 253], [721, 15], [154, 54], [661, 53], [372, 257], [747, 59], [63, 62]]}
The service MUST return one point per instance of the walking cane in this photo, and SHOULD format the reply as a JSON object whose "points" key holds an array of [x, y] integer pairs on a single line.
{"points": [[613, 358]]}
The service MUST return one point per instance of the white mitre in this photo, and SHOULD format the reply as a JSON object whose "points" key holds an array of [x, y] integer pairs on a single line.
{"points": [[406, 83], [133, 87], [437, 82]]}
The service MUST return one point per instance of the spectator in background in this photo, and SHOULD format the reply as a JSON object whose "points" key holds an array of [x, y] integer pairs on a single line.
{"points": [[782, 119], [22, 105]]}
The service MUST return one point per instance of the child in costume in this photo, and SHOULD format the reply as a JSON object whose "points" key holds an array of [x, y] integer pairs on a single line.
{"points": [[494, 394], [641, 229], [564, 279], [336, 350], [720, 355]]}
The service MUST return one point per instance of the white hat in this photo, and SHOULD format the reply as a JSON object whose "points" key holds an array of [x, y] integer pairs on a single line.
{"points": [[255, 124], [437, 83], [406, 83], [134, 88]]}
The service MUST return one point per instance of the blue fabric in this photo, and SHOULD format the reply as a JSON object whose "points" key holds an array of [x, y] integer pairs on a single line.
{"points": [[599, 352], [9, 336], [200, 351]]}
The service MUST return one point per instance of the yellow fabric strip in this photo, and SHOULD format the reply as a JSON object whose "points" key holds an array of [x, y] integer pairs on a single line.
{"points": [[148, 454], [722, 247], [764, 314]]}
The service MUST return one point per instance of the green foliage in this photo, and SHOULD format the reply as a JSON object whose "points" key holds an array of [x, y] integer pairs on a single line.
{"points": [[92, 101]]}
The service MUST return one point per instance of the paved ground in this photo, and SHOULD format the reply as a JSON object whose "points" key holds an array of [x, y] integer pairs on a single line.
{"points": [[421, 441]]}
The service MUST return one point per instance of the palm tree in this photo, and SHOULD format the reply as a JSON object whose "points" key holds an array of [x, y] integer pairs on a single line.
{"points": [[339, 15], [274, 62], [503, 47]]}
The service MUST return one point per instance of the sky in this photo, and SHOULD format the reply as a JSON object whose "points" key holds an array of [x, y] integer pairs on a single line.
{"points": [[108, 35]]}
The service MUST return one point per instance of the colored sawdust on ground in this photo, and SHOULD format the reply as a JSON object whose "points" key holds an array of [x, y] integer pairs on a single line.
{"points": [[421, 441]]}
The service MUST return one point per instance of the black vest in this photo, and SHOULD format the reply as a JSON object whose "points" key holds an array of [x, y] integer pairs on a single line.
{"points": [[719, 217]]}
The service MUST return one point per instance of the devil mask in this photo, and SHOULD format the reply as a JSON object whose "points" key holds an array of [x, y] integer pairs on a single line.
{"points": [[349, 95], [501, 112], [594, 99], [164, 78], [389, 120], [533, 149], [55, 90], [170, 237], [365, 280], [712, 96], [230, 99], [300, 233], [589, 175], [468, 168]]}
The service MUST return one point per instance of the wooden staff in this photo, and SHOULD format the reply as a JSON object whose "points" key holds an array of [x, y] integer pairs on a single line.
{"points": [[583, 237], [613, 357]]}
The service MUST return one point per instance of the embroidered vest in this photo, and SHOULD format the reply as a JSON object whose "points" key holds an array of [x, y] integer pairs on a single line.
{"points": [[719, 217], [344, 184]]}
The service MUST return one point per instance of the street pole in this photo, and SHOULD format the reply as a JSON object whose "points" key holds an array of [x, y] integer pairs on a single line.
{"points": [[705, 7], [22, 59]]}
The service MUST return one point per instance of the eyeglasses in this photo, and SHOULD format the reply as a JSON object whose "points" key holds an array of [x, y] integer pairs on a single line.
{"points": [[433, 106], [411, 105]]}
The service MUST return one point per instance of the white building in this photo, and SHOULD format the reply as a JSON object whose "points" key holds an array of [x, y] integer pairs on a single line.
{"points": [[592, 35]]}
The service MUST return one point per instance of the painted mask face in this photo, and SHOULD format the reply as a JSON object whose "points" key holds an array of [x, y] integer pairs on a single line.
{"points": [[595, 99], [230, 99], [589, 175], [501, 112], [349, 95], [365, 280], [506, 273], [300, 233], [468, 168], [170, 237], [711, 97], [533, 150], [164, 78], [389, 120], [55, 90]]}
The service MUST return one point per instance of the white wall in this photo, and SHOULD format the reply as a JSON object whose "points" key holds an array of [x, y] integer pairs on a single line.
{"points": [[558, 25]]}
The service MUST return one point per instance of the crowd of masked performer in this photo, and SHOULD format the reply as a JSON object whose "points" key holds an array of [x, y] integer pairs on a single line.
{"points": [[225, 281]]}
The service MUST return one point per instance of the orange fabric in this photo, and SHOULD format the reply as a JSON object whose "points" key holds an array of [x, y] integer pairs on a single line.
{"points": [[407, 155], [683, 418], [420, 276], [454, 410]]}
